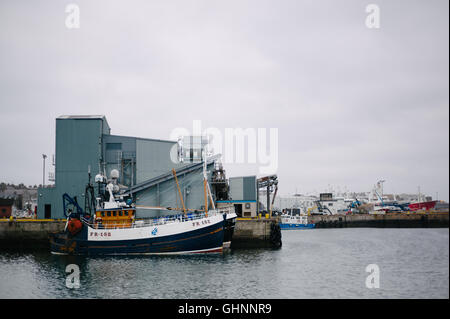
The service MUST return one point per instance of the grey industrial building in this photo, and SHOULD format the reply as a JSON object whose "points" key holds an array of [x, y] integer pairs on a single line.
{"points": [[243, 195], [145, 168]]}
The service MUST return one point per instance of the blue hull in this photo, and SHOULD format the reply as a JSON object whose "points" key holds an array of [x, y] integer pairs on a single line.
{"points": [[297, 226], [208, 239]]}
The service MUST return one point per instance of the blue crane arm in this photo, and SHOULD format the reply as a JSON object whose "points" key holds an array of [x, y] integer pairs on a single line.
{"points": [[381, 199], [71, 201]]}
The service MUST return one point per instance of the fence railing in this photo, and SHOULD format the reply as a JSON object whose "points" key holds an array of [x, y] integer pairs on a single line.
{"points": [[156, 221]]}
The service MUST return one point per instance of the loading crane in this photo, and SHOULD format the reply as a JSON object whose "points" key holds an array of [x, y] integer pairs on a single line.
{"points": [[269, 183]]}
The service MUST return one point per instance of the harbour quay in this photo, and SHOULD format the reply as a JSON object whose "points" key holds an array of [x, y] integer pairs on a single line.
{"points": [[162, 181], [159, 180], [28, 233], [34, 233], [388, 220], [257, 233]]}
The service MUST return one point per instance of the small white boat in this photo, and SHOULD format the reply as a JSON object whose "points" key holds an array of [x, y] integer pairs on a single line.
{"points": [[295, 222]]}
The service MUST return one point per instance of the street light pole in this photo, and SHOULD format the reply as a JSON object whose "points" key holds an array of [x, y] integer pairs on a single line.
{"points": [[43, 170]]}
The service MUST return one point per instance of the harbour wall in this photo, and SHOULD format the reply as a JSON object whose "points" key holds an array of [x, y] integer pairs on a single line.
{"points": [[389, 220], [31, 233], [248, 233], [256, 233]]}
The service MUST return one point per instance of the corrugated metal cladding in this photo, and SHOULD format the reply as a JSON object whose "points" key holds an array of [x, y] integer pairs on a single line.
{"points": [[165, 194], [243, 188], [120, 153], [83, 141], [153, 158], [78, 146]]}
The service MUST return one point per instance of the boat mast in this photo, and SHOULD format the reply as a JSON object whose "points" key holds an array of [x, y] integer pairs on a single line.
{"points": [[206, 188], [205, 179], [210, 196], [179, 190]]}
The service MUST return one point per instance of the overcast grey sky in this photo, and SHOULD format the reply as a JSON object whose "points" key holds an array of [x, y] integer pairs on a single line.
{"points": [[351, 104]]}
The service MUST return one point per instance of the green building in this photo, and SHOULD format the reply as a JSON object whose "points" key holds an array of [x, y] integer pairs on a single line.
{"points": [[144, 165]]}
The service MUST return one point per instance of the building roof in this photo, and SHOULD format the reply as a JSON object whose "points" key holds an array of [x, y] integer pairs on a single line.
{"points": [[85, 117], [6, 201], [82, 117], [142, 138]]}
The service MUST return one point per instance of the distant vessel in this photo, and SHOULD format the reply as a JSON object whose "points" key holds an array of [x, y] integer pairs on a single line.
{"points": [[421, 204], [289, 221]]}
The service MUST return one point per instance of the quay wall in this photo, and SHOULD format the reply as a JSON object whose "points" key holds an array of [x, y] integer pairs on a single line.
{"points": [[28, 233], [256, 233], [389, 220], [34, 233], [248, 233]]}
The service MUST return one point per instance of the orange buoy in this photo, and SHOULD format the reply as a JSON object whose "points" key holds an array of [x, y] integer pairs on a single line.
{"points": [[74, 226]]}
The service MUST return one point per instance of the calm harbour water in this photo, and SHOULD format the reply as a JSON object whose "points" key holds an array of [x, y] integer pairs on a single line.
{"points": [[320, 263]]}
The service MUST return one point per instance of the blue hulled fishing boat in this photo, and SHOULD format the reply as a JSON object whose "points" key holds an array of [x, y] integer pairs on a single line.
{"points": [[111, 228]]}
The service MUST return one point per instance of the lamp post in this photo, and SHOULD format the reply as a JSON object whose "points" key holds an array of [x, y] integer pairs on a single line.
{"points": [[43, 170]]}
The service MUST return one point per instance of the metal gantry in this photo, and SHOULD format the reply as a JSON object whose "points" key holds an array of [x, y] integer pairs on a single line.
{"points": [[270, 184]]}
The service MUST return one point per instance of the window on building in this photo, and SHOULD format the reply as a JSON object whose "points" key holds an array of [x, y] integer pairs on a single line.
{"points": [[113, 146]]}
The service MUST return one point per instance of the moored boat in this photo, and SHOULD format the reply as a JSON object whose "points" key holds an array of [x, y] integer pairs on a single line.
{"points": [[427, 205], [116, 232], [295, 222], [111, 228], [422, 203]]}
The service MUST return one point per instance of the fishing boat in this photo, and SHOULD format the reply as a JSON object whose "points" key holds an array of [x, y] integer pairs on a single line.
{"points": [[421, 203], [113, 229], [426, 205], [289, 221]]}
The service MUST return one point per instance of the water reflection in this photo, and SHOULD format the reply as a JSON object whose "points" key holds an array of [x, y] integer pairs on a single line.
{"points": [[311, 264]]}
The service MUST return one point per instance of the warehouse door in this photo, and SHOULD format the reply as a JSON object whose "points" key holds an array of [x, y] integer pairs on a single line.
{"points": [[238, 209], [48, 211]]}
